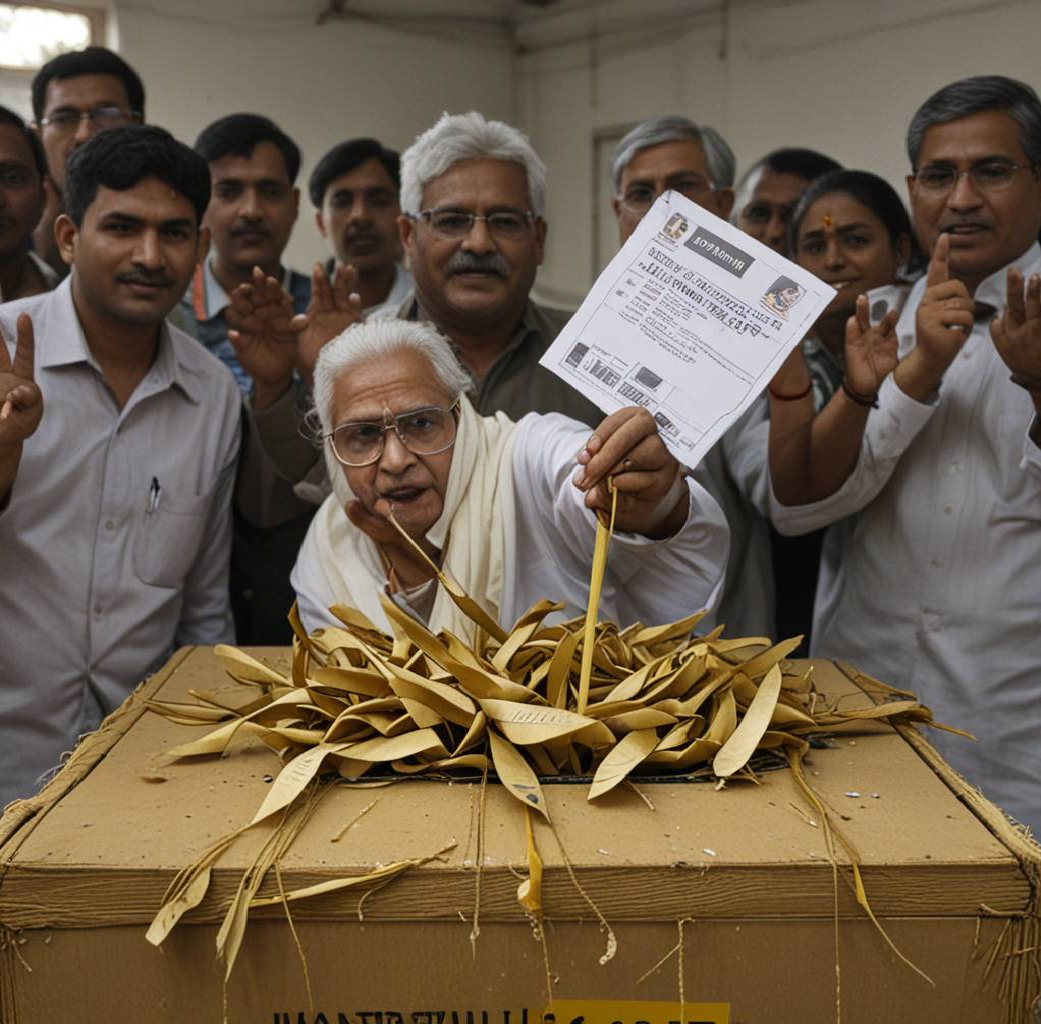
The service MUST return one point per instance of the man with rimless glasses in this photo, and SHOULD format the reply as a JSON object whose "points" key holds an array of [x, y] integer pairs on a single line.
{"points": [[74, 96], [929, 579]]}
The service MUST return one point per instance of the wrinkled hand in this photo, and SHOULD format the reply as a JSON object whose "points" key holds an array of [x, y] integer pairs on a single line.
{"points": [[628, 447], [945, 314], [260, 319], [335, 306], [871, 351], [21, 403], [1017, 332], [375, 525], [407, 567]]}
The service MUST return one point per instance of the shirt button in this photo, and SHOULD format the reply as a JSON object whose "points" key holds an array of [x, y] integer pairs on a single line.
{"points": [[247, 594], [948, 510], [97, 609], [110, 524], [936, 563]]}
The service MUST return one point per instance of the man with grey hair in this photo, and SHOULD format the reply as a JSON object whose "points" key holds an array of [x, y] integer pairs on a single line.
{"points": [[473, 201], [674, 153], [929, 579], [671, 153], [473, 195]]}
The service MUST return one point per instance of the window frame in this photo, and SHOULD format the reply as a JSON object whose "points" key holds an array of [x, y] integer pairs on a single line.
{"points": [[96, 17]]}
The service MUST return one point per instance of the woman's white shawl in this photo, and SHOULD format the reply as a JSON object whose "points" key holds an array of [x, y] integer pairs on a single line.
{"points": [[476, 528]]}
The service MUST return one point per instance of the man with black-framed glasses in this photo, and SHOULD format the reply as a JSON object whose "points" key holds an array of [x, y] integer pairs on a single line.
{"points": [[929, 577], [74, 96]]}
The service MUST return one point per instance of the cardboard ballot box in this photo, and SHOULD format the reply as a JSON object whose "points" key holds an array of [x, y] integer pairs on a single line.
{"points": [[724, 897]]}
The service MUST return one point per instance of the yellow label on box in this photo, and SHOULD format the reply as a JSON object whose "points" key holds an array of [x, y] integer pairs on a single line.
{"points": [[635, 1011]]}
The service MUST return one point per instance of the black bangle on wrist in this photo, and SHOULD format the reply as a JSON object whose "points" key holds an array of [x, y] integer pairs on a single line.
{"points": [[790, 398], [868, 402]]}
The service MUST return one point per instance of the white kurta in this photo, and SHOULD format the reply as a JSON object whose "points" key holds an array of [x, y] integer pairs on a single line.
{"points": [[931, 577], [552, 551]]}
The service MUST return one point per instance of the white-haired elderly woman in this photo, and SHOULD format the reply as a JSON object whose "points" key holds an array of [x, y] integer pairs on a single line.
{"points": [[507, 509]]}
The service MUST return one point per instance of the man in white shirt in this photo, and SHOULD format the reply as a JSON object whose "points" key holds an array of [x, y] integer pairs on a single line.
{"points": [[118, 442], [930, 580]]}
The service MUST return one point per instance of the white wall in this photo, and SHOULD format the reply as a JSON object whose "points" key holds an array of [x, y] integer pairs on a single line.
{"points": [[841, 76], [321, 84]]}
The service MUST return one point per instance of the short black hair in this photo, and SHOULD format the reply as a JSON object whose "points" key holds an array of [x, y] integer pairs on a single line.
{"points": [[873, 193], [94, 60], [804, 163], [345, 157], [121, 157], [31, 138], [239, 134]]}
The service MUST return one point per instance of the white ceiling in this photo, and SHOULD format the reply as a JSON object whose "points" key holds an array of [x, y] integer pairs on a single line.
{"points": [[526, 25]]}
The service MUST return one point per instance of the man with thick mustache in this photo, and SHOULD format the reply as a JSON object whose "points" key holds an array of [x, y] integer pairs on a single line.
{"points": [[473, 196], [930, 577], [253, 167], [118, 445], [354, 188]]}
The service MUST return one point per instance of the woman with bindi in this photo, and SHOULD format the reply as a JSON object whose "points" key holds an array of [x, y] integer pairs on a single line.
{"points": [[508, 510], [850, 229]]}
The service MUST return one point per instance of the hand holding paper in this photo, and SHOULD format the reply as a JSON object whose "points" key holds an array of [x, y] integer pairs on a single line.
{"points": [[689, 321]]}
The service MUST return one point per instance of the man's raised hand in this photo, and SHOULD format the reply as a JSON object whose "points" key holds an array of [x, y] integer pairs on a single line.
{"points": [[1017, 332], [871, 351], [263, 333], [335, 306], [945, 314], [21, 403]]}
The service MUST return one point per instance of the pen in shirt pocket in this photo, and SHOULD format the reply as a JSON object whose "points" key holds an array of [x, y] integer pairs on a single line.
{"points": [[155, 492]]}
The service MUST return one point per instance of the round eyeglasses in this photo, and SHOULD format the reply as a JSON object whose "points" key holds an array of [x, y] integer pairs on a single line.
{"points": [[103, 116], [453, 225], [427, 431]]}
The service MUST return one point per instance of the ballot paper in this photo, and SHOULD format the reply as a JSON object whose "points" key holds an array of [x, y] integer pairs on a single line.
{"points": [[690, 320]]}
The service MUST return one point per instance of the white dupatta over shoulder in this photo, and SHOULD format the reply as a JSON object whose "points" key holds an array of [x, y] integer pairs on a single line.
{"points": [[476, 528]]}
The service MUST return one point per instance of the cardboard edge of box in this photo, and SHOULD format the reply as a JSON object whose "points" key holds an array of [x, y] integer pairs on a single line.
{"points": [[22, 816]]}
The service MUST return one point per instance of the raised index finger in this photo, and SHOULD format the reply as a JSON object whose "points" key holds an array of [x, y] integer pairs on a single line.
{"points": [[939, 264], [25, 349]]}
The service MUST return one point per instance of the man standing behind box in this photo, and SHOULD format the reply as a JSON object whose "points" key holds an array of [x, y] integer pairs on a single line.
{"points": [[930, 581], [674, 153], [118, 443], [355, 192]]}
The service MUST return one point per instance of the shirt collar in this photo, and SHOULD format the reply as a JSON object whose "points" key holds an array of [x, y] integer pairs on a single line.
{"points": [[66, 345], [65, 341], [993, 290], [209, 299]]}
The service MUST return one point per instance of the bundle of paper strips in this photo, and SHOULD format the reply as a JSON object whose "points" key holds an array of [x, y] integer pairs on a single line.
{"points": [[576, 698]]}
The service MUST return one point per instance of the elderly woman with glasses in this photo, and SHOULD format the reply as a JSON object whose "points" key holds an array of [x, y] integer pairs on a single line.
{"points": [[506, 509]]}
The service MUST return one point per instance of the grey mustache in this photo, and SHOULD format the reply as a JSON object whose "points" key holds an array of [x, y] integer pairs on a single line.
{"points": [[463, 262]]}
